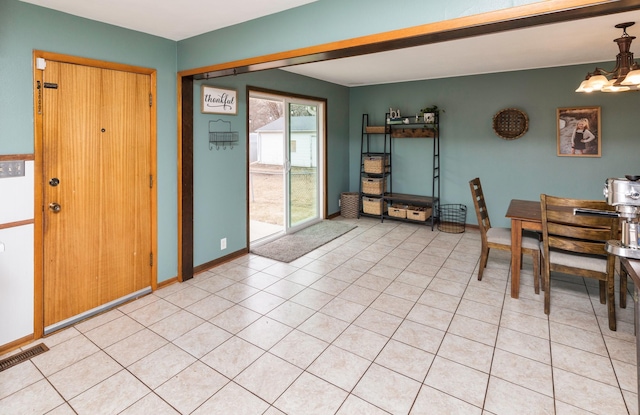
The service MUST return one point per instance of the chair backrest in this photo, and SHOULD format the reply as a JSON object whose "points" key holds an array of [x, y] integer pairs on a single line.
{"points": [[481, 208], [563, 230]]}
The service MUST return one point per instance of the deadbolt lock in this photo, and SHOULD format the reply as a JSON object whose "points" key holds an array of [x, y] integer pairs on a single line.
{"points": [[54, 182]]}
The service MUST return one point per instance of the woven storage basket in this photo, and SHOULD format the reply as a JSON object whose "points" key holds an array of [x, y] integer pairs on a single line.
{"points": [[374, 185], [374, 129], [373, 205], [418, 213], [375, 164], [349, 205], [398, 211]]}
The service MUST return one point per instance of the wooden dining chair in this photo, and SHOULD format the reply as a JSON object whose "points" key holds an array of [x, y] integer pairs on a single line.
{"points": [[575, 244], [500, 238]]}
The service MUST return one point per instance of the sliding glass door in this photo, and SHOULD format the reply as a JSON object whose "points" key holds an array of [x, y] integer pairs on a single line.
{"points": [[286, 155], [302, 162]]}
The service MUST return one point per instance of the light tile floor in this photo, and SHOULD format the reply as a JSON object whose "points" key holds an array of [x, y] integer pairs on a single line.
{"points": [[389, 318]]}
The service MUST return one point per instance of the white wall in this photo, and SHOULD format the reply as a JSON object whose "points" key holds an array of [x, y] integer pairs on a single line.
{"points": [[16, 257], [271, 149], [306, 150]]}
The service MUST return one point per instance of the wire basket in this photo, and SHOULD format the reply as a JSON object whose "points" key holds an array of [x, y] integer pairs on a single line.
{"points": [[452, 218]]}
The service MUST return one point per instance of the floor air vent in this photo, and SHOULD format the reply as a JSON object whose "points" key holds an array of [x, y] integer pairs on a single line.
{"points": [[22, 356]]}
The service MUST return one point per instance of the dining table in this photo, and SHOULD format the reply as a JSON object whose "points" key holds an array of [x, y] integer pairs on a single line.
{"points": [[633, 269], [527, 215], [524, 215]]}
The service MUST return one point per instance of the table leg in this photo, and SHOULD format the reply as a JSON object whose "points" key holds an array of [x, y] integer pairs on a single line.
{"points": [[636, 322], [516, 256]]}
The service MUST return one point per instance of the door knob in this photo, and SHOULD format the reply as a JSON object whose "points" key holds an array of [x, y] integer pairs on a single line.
{"points": [[54, 207]]}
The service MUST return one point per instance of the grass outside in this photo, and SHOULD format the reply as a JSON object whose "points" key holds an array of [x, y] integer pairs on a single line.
{"points": [[266, 193]]}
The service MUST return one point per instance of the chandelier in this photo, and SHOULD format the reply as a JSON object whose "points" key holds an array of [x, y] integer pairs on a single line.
{"points": [[624, 77]]}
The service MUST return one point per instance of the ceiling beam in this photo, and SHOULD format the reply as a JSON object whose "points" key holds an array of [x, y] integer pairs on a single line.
{"points": [[541, 13]]}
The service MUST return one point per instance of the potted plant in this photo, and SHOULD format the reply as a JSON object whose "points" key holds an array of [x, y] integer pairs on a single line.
{"points": [[429, 113]]}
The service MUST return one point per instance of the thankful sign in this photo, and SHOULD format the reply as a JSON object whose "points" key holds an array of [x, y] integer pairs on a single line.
{"points": [[218, 100]]}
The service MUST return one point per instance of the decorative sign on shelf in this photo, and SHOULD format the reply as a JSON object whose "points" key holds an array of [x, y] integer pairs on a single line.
{"points": [[218, 101]]}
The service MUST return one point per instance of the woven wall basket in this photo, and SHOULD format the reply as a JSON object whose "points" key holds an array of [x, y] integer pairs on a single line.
{"points": [[510, 123]]}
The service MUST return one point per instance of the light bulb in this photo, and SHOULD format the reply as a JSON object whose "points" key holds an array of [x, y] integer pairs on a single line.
{"points": [[632, 78], [583, 87], [610, 87], [596, 82]]}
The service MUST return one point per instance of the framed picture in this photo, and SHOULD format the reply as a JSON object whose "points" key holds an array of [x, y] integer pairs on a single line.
{"points": [[218, 101], [579, 133]]}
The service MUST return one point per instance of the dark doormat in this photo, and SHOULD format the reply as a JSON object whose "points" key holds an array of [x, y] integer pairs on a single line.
{"points": [[291, 247]]}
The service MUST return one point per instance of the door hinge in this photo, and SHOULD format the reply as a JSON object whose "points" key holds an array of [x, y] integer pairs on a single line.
{"points": [[150, 100], [151, 259], [151, 181]]}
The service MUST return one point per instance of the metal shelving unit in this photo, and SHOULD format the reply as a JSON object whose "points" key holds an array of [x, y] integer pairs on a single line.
{"points": [[382, 147]]}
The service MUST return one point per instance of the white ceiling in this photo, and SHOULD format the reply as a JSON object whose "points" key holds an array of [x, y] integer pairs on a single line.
{"points": [[171, 19], [561, 44]]}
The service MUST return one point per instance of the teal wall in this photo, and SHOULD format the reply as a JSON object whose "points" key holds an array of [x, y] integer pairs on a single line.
{"points": [[220, 176], [24, 27], [322, 22], [220, 193], [522, 168]]}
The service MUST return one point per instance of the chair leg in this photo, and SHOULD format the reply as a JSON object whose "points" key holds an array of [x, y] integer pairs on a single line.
{"points": [[611, 302], [483, 261], [547, 290], [536, 271], [623, 286], [543, 286], [603, 292]]}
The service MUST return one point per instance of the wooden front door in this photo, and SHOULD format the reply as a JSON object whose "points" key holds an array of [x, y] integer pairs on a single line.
{"points": [[97, 188]]}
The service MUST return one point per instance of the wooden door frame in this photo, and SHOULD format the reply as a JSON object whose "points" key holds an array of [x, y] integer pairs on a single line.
{"points": [[38, 287], [535, 14]]}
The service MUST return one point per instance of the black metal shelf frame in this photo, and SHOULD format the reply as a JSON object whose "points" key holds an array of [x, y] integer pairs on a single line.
{"points": [[387, 132]]}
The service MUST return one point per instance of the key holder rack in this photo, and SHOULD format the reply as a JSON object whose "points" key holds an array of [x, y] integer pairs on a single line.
{"points": [[220, 135]]}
